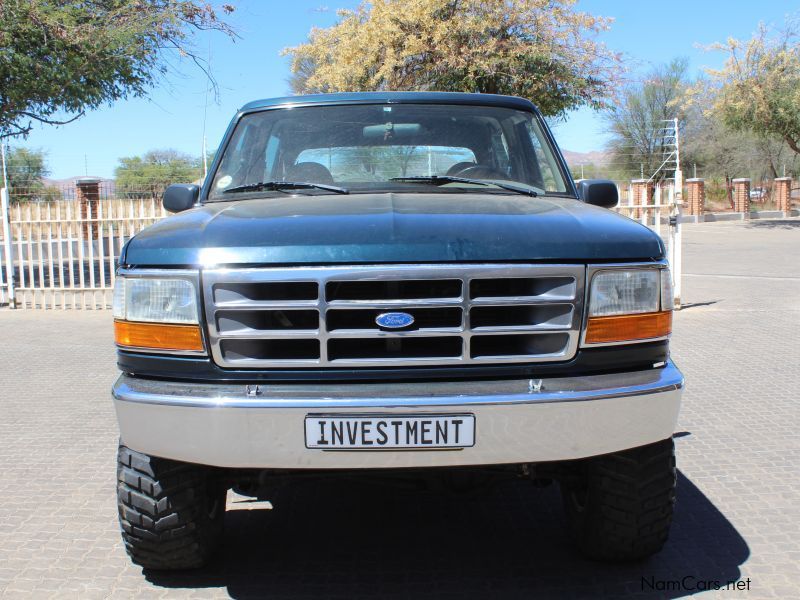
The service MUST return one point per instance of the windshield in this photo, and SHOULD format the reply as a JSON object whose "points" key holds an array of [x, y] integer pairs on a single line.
{"points": [[398, 147]]}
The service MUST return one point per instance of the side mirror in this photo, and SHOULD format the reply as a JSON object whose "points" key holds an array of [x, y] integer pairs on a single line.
{"points": [[180, 196], [600, 192]]}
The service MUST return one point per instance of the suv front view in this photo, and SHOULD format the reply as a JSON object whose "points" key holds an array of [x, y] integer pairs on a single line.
{"points": [[393, 281]]}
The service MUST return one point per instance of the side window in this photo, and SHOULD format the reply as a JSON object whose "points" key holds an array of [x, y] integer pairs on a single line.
{"points": [[547, 166], [232, 170]]}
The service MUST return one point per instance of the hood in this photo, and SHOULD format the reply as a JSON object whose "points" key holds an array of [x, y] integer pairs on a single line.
{"points": [[392, 228]]}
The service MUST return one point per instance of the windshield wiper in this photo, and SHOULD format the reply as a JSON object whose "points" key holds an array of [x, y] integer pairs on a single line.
{"points": [[443, 179], [280, 186]]}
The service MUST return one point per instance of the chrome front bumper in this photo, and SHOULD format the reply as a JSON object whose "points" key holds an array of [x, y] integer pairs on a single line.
{"points": [[233, 425]]}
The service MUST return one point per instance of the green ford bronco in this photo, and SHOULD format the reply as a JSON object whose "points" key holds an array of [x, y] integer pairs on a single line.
{"points": [[393, 281]]}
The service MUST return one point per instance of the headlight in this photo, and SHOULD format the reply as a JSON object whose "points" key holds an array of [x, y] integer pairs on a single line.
{"points": [[154, 313], [629, 305]]}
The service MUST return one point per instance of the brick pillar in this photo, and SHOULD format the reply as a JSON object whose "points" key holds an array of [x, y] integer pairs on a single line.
{"points": [[696, 195], [783, 194], [642, 194], [741, 196], [88, 194]]}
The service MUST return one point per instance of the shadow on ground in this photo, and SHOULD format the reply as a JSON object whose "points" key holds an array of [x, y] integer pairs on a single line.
{"points": [[360, 539], [688, 305], [775, 224]]}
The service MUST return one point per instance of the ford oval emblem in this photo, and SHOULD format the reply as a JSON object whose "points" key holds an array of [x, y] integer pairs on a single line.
{"points": [[394, 320]]}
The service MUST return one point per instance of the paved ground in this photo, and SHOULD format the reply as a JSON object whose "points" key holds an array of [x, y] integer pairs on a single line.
{"points": [[738, 450]]}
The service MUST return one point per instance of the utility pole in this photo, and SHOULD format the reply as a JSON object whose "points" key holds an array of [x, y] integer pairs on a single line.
{"points": [[205, 118], [675, 220], [205, 159], [678, 172], [5, 172], [6, 229]]}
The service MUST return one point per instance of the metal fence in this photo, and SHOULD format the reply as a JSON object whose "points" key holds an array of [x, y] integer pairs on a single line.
{"points": [[63, 253]]}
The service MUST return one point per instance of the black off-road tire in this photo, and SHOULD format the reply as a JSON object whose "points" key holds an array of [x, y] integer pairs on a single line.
{"points": [[620, 505], [171, 513]]}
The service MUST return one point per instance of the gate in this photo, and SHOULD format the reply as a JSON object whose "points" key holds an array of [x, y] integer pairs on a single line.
{"points": [[63, 253], [658, 206]]}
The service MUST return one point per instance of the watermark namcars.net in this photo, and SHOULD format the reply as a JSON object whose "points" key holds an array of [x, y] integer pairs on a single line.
{"points": [[692, 583]]}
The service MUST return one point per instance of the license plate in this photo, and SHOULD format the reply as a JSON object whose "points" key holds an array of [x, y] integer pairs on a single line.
{"points": [[383, 432]]}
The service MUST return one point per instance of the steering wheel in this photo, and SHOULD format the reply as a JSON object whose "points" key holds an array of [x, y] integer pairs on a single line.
{"points": [[479, 172]]}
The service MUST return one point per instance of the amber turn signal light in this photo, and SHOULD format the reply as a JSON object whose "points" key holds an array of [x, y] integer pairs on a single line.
{"points": [[623, 328], [158, 336]]}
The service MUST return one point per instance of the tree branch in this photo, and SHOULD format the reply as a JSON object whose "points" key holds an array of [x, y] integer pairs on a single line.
{"points": [[793, 144]]}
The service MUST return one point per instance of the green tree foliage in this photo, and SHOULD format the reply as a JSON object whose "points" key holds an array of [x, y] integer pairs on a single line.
{"points": [[638, 121], [544, 50], [59, 58], [149, 175], [26, 171], [758, 90], [719, 151]]}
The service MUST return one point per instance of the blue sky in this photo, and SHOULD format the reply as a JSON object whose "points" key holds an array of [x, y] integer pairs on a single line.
{"points": [[646, 32]]}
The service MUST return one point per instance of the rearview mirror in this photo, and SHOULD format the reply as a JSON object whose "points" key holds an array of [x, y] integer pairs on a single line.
{"points": [[599, 192], [392, 131], [180, 196]]}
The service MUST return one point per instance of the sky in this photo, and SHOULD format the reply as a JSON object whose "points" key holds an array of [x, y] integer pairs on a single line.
{"points": [[179, 111]]}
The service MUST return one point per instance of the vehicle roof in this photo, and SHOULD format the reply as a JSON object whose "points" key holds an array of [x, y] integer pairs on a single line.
{"points": [[393, 98]]}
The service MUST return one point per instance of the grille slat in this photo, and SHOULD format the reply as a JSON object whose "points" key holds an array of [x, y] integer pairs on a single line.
{"points": [[279, 321], [270, 291], [325, 316], [393, 290], [542, 316], [516, 345], [409, 348], [518, 288], [425, 319]]}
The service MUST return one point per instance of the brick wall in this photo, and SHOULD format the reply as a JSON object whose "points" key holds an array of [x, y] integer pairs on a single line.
{"points": [[696, 195], [741, 196]]}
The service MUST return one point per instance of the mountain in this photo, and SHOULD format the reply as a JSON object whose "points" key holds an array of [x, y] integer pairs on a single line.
{"points": [[70, 181], [67, 185], [600, 158]]}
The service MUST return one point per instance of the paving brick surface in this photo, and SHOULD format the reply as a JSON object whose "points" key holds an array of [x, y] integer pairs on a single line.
{"points": [[738, 452]]}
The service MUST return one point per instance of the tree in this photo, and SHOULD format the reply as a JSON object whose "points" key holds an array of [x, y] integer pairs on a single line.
{"points": [[58, 59], [720, 151], [26, 170], [758, 90], [540, 49], [638, 121], [149, 175]]}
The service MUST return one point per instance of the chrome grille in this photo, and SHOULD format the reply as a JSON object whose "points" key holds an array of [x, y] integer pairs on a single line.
{"points": [[325, 316]]}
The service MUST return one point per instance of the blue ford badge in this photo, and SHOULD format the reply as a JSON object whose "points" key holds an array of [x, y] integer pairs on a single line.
{"points": [[394, 320]]}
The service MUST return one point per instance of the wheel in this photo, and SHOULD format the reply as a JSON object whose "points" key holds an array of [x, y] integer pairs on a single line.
{"points": [[171, 513], [620, 506]]}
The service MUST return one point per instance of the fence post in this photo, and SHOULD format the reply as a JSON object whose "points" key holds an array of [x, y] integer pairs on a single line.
{"points": [[630, 201], [88, 193], [697, 195], [657, 209], [783, 195], [676, 239], [9, 259], [643, 194], [741, 196]]}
